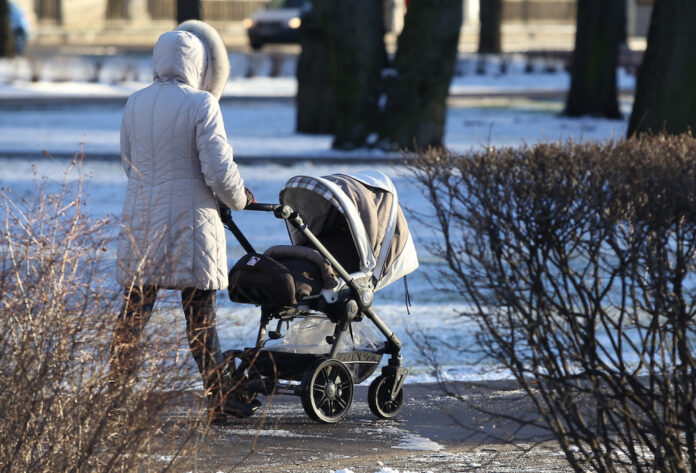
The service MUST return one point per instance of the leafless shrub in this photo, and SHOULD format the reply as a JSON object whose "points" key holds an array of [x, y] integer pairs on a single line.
{"points": [[578, 263], [58, 305]]}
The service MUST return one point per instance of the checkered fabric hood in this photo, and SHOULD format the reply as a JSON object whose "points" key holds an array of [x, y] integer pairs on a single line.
{"points": [[369, 202]]}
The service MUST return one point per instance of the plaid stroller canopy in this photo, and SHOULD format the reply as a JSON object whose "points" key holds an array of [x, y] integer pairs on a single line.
{"points": [[369, 204]]}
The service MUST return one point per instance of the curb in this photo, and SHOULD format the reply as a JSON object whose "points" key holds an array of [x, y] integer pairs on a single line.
{"points": [[393, 159]]}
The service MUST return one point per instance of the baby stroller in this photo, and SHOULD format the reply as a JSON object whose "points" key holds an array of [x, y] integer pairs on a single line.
{"points": [[349, 239]]}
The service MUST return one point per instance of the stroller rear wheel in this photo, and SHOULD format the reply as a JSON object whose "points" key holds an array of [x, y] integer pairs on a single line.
{"points": [[328, 391], [379, 397]]}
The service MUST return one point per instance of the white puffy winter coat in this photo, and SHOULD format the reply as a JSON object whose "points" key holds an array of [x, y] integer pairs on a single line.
{"points": [[176, 156]]}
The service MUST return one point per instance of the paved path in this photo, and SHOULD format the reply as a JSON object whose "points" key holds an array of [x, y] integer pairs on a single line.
{"points": [[433, 432]]}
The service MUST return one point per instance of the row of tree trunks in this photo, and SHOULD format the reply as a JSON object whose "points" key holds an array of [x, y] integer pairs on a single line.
{"points": [[371, 102], [666, 85]]}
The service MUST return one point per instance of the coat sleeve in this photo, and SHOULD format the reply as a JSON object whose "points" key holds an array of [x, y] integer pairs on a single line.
{"points": [[215, 154], [125, 142]]}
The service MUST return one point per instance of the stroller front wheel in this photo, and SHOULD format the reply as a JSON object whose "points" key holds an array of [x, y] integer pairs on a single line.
{"points": [[379, 397], [328, 391]]}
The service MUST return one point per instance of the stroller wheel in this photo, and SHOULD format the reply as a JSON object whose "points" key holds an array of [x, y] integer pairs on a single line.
{"points": [[328, 391], [379, 397]]}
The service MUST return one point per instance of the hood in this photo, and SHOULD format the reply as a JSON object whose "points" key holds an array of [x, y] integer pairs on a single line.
{"points": [[179, 56], [217, 66]]}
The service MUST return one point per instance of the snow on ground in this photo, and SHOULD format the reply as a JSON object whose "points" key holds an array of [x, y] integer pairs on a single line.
{"points": [[433, 314], [266, 128], [261, 75]]}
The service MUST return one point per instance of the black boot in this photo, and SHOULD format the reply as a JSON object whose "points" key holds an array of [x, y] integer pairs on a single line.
{"points": [[199, 307], [227, 402]]}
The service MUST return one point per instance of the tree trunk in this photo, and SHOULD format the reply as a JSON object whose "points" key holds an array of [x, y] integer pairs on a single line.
{"points": [[601, 27], [188, 10], [315, 106], [6, 39], [666, 86], [490, 21], [424, 66], [354, 38]]}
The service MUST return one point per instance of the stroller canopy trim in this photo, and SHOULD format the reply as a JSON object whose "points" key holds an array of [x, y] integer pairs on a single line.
{"points": [[349, 201]]}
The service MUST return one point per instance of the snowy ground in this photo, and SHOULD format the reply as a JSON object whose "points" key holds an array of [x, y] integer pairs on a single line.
{"points": [[260, 75], [266, 129]]}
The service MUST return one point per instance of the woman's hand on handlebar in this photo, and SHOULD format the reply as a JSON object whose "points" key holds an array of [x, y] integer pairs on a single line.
{"points": [[250, 199]]}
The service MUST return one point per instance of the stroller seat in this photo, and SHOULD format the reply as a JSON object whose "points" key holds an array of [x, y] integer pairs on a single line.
{"points": [[283, 275]]}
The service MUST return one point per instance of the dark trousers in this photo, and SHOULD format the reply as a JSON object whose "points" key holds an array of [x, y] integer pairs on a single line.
{"points": [[199, 309]]}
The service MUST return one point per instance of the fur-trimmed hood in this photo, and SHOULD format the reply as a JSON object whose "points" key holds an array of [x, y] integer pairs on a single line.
{"points": [[217, 63], [179, 56]]}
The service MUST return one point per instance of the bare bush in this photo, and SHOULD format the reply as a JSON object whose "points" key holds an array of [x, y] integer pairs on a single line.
{"points": [[578, 263], [58, 304]]}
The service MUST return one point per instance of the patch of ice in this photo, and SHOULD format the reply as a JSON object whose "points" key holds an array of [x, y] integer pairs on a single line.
{"points": [[267, 432], [416, 442], [386, 469]]}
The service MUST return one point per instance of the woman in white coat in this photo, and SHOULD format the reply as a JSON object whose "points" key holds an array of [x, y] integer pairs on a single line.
{"points": [[179, 163]]}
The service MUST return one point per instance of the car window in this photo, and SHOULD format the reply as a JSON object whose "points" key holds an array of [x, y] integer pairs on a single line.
{"points": [[275, 4]]}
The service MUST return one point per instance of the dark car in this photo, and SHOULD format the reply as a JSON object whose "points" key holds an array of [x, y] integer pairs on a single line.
{"points": [[278, 22], [19, 22]]}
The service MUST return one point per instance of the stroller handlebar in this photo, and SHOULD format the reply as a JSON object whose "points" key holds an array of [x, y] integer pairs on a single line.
{"points": [[262, 207]]}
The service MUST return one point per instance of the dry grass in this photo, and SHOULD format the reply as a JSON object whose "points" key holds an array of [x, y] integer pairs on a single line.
{"points": [[58, 303]]}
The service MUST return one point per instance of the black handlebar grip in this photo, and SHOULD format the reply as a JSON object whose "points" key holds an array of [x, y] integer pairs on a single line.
{"points": [[262, 207]]}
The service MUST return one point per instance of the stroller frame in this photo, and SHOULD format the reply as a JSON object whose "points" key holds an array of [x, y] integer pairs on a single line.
{"points": [[326, 387]]}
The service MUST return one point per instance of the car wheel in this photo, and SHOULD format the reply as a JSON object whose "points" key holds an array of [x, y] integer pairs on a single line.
{"points": [[256, 45]]}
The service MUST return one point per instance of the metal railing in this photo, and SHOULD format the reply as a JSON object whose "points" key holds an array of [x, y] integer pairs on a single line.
{"points": [[556, 11], [212, 10]]}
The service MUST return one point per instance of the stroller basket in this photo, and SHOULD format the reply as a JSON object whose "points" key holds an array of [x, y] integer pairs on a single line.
{"points": [[349, 239], [292, 366]]}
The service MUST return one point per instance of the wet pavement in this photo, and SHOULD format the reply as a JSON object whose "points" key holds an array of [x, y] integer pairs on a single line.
{"points": [[433, 432]]}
